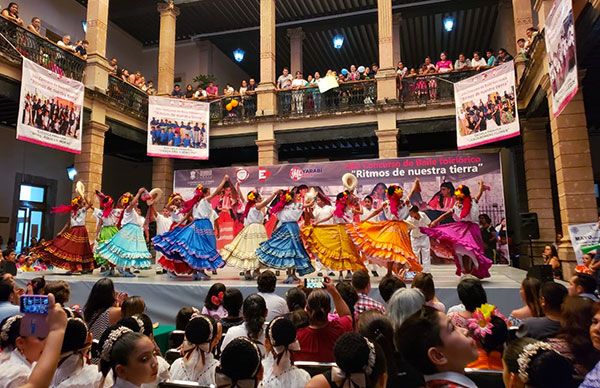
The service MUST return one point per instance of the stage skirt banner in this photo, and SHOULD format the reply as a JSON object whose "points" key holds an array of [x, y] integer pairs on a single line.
{"points": [[585, 239], [178, 128], [50, 109], [374, 176], [561, 53], [486, 107]]}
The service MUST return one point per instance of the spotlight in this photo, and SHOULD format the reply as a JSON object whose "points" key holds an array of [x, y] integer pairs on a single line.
{"points": [[338, 41], [238, 55], [449, 24], [84, 25], [71, 172]]}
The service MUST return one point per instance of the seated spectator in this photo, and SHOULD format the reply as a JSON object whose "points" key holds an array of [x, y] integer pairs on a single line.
{"points": [[177, 92], [81, 49], [132, 305], [213, 303], [61, 291], [65, 43], [197, 364], [440, 351], [114, 68], [12, 13], [472, 295], [550, 256], [255, 314], [444, 65], [317, 340], [592, 379], [240, 364], [478, 62], [584, 286], [503, 57], [404, 303], [36, 28], [8, 299], [350, 296], [189, 91], [462, 63], [490, 58], [28, 264], [388, 285], [530, 363], [531, 33], [552, 296], [424, 282], [489, 329], [361, 282], [102, 307], [9, 265], [573, 340], [36, 286], [183, 317], [295, 299], [276, 305], [280, 342], [212, 90], [232, 303], [20, 352], [199, 93], [530, 295], [150, 90]]}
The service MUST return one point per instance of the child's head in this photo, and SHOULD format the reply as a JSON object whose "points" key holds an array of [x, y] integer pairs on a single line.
{"points": [[424, 282], [429, 340], [232, 302], [77, 337], [414, 211], [214, 297], [202, 332], [281, 337], [240, 361], [132, 305], [183, 317], [360, 359]]}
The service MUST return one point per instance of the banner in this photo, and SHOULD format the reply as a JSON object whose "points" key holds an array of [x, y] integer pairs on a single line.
{"points": [[374, 176], [327, 83], [561, 53], [178, 128], [50, 109], [486, 107], [585, 238]]}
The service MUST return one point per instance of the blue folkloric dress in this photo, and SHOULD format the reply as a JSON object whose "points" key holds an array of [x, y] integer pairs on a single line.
{"points": [[194, 244], [128, 247], [284, 249]]}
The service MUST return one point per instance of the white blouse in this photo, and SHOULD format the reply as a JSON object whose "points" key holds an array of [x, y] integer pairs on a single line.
{"points": [[72, 373], [290, 377], [131, 217], [473, 215], [320, 213], [347, 218], [163, 373], [163, 224], [186, 370], [290, 213], [112, 218], [402, 212], [78, 219], [254, 216], [15, 371], [202, 210], [176, 216]]}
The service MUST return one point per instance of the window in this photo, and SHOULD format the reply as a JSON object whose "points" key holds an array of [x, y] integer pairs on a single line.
{"points": [[32, 193]]}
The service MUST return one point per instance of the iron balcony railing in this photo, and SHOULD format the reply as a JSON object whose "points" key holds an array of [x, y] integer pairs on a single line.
{"points": [[39, 50], [127, 96], [431, 88]]}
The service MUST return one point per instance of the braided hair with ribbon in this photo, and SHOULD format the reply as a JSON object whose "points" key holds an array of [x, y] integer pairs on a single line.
{"points": [[252, 198], [285, 197], [360, 362], [281, 337]]}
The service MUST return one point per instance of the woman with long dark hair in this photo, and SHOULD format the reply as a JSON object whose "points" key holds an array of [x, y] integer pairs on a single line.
{"points": [[255, 316], [102, 307], [530, 295]]}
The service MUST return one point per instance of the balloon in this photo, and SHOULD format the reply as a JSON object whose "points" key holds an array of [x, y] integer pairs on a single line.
{"points": [[345, 71], [234, 103], [228, 107], [361, 69]]}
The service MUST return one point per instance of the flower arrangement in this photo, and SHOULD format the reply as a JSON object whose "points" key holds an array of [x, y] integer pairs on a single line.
{"points": [[481, 322]]}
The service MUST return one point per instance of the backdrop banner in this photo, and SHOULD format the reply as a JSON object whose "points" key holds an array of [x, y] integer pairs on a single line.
{"points": [[178, 128], [374, 176], [486, 107], [50, 109], [561, 53]]}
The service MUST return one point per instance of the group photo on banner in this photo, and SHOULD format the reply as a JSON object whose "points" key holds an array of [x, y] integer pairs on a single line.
{"points": [[428, 182], [561, 54], [178, 128], [50, 109], [486, 107]]}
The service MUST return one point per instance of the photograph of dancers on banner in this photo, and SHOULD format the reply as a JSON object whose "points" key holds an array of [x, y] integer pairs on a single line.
{"points": [[170, 133], [51, 113], [498, 110]]}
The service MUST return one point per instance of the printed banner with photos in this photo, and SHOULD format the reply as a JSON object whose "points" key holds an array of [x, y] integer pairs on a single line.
{"points": [[585, 239], [178, 128], [486, 107], [561, 53], [50, 109]]}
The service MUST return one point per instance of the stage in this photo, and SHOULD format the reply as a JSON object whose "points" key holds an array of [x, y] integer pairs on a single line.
{"points": [[165, 296]]}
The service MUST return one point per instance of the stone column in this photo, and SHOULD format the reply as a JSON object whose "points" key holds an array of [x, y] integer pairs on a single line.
{"points": [[266, 96], [166, 47], [387, 135], [574, 173], [296, 36], [162, 177], [386, 76], [505, 27], [96, 71], [542, 7], [396, 28], [523, 18], [267, 145], [537, 176]]}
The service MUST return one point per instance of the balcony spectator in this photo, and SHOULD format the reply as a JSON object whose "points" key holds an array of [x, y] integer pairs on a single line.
{"points": [[531, 34], [12, 13], [212, 90], [132, 78], [189, 92], [374, 69], [490, 58], [139, 80], [401, 70], [444, 65], [177, 92], [65, 43], [284, 82], [503, 57], [298, 85], [81, 49], [316, 94], [353, 75], [477, 63], [250, 102], [114, 68], [368, 74], [35, 26], [462, 63], [125, 75], [200, 93], [429, 68], [150, 88], [228, 90], [243, 88]]}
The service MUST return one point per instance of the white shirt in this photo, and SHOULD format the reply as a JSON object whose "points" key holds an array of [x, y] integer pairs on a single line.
{"points": [[112, 218], [452, 377], [290, 213], [480, 62], [131, 217], [276, 305], [241, 331], [254, 216], [347, 218], [320, 213], [402, 212], [163, 373], [291, 377], [78, 219], [163, 224], [298, 83], [202, 210], [186, 370], [15, 371], [473, 215], [424, 221], [72, 373]]}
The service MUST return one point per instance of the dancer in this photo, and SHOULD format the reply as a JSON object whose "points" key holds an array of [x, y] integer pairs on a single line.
{"points": [[331, 244], [106, 227], [128, 247], [194, 244], [284, 249], [71, 248], [241, 252], [366, 209], [419, 241], [387, 243], [464, 235]]}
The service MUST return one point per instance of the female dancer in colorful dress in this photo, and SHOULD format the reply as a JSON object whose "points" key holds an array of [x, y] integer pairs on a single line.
{"points": [[70, 249], [106, 227], [331, 244], [387, 243], [464, 235], [241, 252], [128, 247], [284, 249], [194, 244]]}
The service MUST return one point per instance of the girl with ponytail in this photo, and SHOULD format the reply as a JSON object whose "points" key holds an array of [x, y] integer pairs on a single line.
{"points": [[71, 249], [241, 252], [463, 235]]}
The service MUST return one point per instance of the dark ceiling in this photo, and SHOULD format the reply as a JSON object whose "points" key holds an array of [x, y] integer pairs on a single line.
{"points": [[234, 24]]}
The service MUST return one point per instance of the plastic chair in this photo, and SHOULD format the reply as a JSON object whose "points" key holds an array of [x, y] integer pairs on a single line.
{"points": [[485, 378], [314, 368], [176, 338]]}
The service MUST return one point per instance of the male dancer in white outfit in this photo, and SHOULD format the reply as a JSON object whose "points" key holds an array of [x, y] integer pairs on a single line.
{"points": [[419, 241]]}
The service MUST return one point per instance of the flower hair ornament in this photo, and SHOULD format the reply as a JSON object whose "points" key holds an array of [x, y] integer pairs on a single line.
{"points": [[356, 380], [75, 204], [340, 204], [140, 322], [529, 352], [106, 203], [173, 197], [280, 351], [458, 193], [285, 197], [251, 196], [190, 203], [481, 322], [113, 337], [5, 330]]}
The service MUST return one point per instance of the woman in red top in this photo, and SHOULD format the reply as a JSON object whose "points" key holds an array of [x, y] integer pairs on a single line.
{"points": [[317, 340]]}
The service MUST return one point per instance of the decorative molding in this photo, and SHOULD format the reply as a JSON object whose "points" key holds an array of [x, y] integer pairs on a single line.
{"points": [[296, 33], [168, 8]]}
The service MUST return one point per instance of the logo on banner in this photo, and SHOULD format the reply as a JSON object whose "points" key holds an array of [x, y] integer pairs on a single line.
{"points": [[242, 174], [263, 174], [296, 173]]}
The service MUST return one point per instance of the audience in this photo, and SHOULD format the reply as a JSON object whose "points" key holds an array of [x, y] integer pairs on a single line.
{"points": [[102, 307], [424, 282], [592, 379], [61, 291], [388, 285], [488, 327], [213, 303], [232, 303], [583, 285], [11, 12], [255, 314], [472, 295], [404, 303], [8, 299], [361, 282], [132, 305], [295, 299], [35, 26], [276, 305], [552, 296], [240, 364], [530, 295], [20, 352]]}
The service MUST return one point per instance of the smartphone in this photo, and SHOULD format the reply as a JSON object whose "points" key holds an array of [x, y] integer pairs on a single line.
{"points": [[409, 276], [35, 310], [316, 282]]}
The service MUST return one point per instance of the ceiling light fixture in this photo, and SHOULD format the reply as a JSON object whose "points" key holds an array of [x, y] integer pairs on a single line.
{"points": [[449, 24], [338, 41], [238, 55]]}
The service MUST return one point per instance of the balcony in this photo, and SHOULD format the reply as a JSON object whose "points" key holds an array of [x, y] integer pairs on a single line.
{"points": [[131, 99], [39, 50]]}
